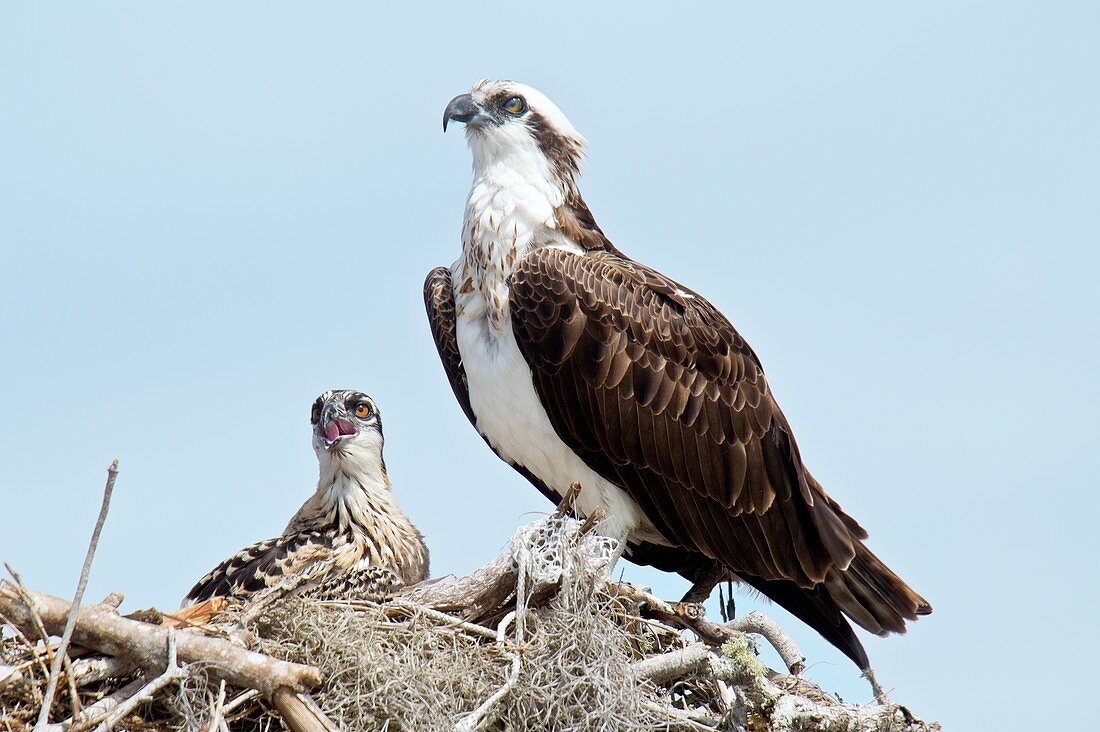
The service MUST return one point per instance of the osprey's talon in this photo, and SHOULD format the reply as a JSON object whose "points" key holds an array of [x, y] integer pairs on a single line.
{"points": [[690, 610]]}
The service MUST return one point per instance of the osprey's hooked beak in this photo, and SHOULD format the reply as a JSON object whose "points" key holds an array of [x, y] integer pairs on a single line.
{"points": [[332, 427], [463, 109]]}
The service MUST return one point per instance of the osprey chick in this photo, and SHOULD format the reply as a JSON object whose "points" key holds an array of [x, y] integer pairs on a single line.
{"points": [[350, 536], [576, 363]]}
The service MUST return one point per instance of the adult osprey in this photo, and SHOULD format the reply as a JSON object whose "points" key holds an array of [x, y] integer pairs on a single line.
{"points": [[576, 363], [350, 536]]}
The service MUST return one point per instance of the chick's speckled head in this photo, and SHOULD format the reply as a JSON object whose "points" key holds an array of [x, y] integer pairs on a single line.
{"points": [[343, 420]]}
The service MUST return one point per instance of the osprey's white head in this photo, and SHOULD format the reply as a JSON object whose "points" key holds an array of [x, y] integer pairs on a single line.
{"points": [[347, 434], [524, 196], [513, 126]]}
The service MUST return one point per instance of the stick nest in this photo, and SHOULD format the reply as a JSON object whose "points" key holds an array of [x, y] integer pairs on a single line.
{"points": [[538, 639]]}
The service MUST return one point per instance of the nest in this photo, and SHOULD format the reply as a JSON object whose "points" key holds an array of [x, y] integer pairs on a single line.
{"points": [[540, 638]]}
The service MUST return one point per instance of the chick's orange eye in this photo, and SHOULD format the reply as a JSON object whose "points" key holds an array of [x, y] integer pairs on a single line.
{"points": [[363, 410], [515, 105]]}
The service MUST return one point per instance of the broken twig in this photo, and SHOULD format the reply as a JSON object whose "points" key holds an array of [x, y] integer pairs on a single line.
{"points": [[300, 712], [62, 649], [173, 672]]}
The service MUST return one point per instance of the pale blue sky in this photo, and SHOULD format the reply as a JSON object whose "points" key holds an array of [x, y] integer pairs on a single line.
{"points": [[210, 213]]}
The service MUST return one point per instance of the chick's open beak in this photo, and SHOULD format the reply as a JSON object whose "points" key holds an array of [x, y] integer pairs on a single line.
{"points": [[333, 426]]}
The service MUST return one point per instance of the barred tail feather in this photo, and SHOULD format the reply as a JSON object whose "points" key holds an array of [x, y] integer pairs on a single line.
{"points": [[873, 596]]}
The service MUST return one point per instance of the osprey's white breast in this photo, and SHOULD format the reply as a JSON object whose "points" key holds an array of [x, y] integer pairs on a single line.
{"points": [[499, 231]]}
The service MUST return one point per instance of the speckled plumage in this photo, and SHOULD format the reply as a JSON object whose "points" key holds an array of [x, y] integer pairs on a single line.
{"points": [[350, 537]]}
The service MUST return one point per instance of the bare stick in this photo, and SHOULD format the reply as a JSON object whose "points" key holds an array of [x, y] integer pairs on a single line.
{"points": [[34, 656], [673, 665], [51, 677], [114, 599], [476, 595], [91, 670], [245, 697], [681, 717], [173, 672], [688, 615], [440, 617], [759, 623], [565, 505], [93, 713], [216, 715], [794, 706], [300, 712], [796, 711], [35, 618], [60, 655], [590, 523]]}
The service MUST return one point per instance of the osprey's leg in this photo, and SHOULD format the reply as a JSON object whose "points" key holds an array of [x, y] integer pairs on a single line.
{"points": [[617, 552], [728, 606], [704, 582]]}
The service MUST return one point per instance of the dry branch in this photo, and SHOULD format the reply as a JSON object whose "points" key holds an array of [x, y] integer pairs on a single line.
{"points": [[674, 664], [36, 659], [240, 700], [486, 594], [102, 629], [95, 713], [300, 712], [55, 659], [82, 584], [690, 616], [760, 624], [476, 595], [172, 673], [87, 671]]}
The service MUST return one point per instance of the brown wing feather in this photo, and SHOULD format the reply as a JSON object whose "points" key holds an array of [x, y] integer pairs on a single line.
{"points": [[657, 392], [262, 565], [439, 301]]}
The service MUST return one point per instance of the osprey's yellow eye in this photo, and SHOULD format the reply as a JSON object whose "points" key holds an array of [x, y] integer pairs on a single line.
{"points": [[363, 410], [515, 105]]}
